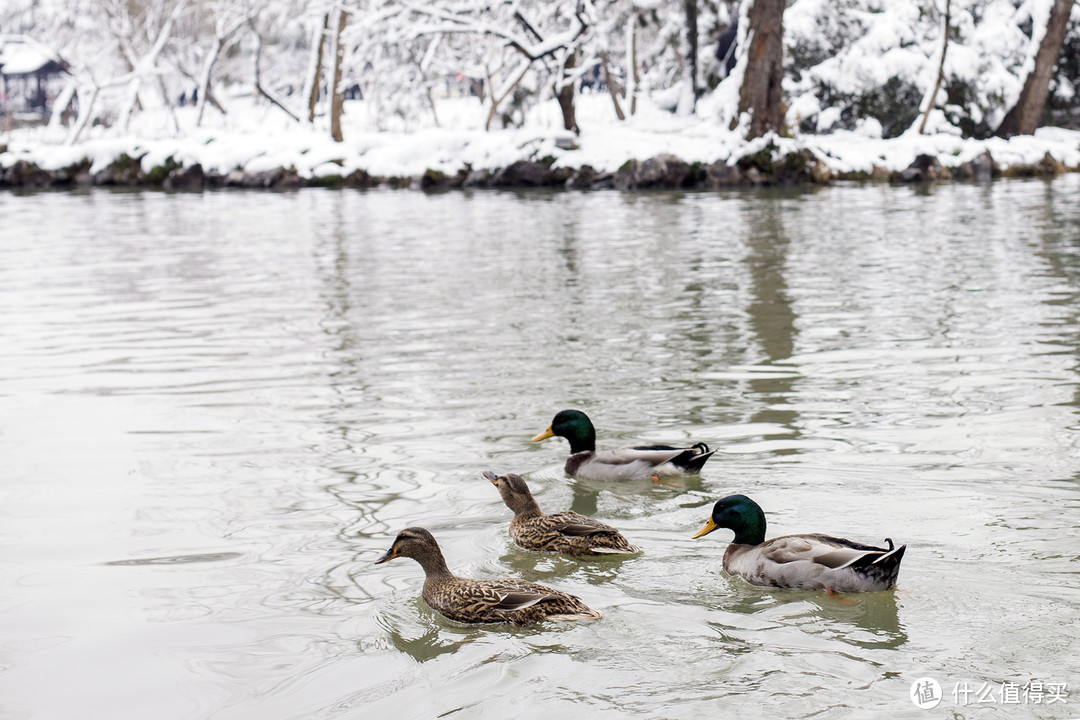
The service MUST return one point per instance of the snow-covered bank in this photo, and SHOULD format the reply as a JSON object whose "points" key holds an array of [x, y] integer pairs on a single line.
{"points": [[258, 148]]}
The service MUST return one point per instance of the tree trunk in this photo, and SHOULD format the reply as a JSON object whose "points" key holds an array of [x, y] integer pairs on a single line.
{"points": [[204, 79], [1024, 117], [565, 93], [62, 103], [633, 80], [147, 64], [260, 91], [613, 87], [932, 99], [337, 100], [130, 103], [691, 9], [86, 110], [7, 115], [501, 93], [311, 82], [170, 110], [760, 94]]}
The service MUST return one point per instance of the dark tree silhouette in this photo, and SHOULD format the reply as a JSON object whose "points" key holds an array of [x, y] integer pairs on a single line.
{"points": [[760, 94], [690, 7], [337, 99], [1024, 117]]}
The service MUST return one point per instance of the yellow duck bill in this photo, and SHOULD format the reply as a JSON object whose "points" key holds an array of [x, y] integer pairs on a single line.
{"points": [[707, 528], [544, 435]]}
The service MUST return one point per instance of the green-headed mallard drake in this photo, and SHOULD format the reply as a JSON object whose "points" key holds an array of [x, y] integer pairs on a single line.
{"points": [[805, 562], [503, 600], [629, 463], [565, 532]]}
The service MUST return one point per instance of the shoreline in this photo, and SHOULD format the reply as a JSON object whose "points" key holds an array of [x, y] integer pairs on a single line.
{"points": [[257, 147], [661, 172], [650, 153]]}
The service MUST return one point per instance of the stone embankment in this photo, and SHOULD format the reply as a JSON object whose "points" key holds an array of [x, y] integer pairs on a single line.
{"points": [[763, 168]]}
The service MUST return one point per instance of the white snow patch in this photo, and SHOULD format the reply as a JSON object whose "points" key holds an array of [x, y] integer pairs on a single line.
{"points": [[266, 142]]}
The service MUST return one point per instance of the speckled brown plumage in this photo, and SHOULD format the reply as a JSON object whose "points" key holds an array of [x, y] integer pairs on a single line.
{"points": [[467, 600], [566, 532]]}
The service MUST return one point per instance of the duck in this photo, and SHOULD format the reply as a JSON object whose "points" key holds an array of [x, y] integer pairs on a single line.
{"points": [[567, 532], [802, 562], [467, 600], [640, 462]]}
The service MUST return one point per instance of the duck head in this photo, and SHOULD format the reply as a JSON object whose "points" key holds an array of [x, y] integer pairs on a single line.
{"points": [[413, 542], [515, 493], [573, 425], [738, 513]]}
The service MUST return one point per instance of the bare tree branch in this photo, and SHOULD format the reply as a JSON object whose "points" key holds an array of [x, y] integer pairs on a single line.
{"points": [[932, 98]]}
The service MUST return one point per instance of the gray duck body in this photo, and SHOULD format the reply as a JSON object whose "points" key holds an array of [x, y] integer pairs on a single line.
{"points": [[639, 462], [813, 561]]}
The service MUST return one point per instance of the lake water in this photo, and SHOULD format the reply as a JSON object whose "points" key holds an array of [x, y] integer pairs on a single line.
{"points": [[217, 410]]}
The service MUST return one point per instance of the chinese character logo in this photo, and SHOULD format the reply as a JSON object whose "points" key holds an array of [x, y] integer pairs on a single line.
{"points": [[925, 693]]}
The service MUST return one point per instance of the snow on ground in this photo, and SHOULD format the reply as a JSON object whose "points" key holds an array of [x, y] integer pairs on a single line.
{"points": [[254, 137]]}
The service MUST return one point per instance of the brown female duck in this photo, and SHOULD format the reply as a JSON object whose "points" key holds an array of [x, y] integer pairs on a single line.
{"points": [[504, 600], [565, 532]]}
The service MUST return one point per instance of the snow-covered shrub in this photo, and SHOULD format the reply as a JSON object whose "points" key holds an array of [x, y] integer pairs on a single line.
{"points": [[1063, 106], [879, 59]]}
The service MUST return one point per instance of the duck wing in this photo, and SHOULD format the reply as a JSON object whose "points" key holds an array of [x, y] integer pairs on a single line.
{"points": [[570, 533], [686, 460], [573, 524], [487, 601], [817, 562], [519, 600], [593, 536], [638, 462]]}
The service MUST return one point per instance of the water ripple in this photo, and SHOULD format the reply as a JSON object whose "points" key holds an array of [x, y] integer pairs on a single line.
{"points": [[219, 410]]}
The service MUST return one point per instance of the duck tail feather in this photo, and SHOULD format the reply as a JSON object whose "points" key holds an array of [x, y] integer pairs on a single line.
{"points": [[627, 550]]}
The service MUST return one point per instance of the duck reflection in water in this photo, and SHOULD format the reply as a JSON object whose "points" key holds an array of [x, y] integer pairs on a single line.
{"points": [[870, 621]]}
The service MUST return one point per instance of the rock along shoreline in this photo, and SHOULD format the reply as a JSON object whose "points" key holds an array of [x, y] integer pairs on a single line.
{"points": [[661, 172]]}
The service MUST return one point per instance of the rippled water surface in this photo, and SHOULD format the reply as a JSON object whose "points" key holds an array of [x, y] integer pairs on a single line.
{"points": [[217, 410]]}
